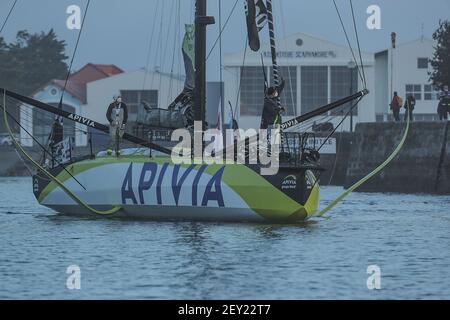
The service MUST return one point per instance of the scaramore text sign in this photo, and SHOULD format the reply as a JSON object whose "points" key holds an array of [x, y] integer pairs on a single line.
{"points": [[302, 54]]}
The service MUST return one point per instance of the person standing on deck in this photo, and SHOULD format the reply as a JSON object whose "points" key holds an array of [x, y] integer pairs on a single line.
{"points": [[117, 116], [272, 112], [395, 105], [444, 104], [410, 103]]}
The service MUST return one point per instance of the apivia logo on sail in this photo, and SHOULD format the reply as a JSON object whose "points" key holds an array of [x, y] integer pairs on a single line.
{"points": [[289, 124], [81, 120], [153, 184]]}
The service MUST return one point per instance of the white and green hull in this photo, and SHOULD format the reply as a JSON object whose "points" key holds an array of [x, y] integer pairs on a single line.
{"points": [[155, 188]]}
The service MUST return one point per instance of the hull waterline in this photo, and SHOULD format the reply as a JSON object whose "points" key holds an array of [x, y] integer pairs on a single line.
{"points": [[157, 189]]}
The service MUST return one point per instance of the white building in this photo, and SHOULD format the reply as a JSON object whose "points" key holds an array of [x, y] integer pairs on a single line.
{"points": [[89, 92], [158, 89], [407, 68], [318, 72]]}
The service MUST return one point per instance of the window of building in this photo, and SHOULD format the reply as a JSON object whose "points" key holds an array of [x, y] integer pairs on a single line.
{"points": [[415, 90], [422, 63], [430, 92], [252, 91], [134, 99], [344, 82], [289, 94], [314, 87]]}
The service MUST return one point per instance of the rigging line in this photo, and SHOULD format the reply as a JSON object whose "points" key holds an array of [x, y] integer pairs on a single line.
{"points": [[240, 78], [24, 162], [357, 41], [311, 122], [74, 197], [74, 53], [222, 29], [7, 16], [176, 37], [338, 151], [191, 11], [222, 98], [340, 123], [158, 45], [40, 145], [371, 174], [291, 91], [164, 56], [150, 44], [305, 125], [179, 54], [348, 40]]}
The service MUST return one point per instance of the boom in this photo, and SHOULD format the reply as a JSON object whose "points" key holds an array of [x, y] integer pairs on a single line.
{"points": [[82, 120], [293, 122]]}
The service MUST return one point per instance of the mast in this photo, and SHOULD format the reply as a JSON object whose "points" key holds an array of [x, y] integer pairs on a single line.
{"points": [[273, 49], [201, 22]]}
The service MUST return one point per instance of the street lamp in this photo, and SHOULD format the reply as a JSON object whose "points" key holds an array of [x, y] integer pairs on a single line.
{"points": [[351, 67]]}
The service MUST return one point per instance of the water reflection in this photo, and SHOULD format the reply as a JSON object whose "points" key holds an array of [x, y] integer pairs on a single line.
{"points": [[407, 236]]}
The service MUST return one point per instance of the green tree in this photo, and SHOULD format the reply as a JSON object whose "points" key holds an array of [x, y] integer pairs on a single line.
{"points": [[31, 62], [441, 59]]}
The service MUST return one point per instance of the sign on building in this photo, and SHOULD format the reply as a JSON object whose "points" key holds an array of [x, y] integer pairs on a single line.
{"points": [[329, 146]]}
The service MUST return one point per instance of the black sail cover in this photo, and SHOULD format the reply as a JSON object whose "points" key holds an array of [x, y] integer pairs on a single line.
{"points": [[256, 13]]}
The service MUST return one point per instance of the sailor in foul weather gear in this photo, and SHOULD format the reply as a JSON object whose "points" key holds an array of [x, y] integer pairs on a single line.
{"points": [[117, 116], [444, 104], [395, 105], [272, 112], [410, 103]]}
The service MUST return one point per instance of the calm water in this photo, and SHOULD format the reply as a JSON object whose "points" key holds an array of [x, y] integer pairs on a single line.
{"points": [[407, 236]]}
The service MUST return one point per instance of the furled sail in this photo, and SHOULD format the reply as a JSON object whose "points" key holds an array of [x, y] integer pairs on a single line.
{"points": [[256, 13], [189, 56], [179, 112]]}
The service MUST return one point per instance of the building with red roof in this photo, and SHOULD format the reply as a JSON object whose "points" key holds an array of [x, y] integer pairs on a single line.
{"points": [[75, 97]]}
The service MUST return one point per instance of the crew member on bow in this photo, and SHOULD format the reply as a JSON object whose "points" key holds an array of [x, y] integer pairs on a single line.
{"points": [[272, 112], [117, 116]]}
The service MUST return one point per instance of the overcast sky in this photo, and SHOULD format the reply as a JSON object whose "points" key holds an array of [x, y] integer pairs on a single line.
{"points": [[119, 31]]}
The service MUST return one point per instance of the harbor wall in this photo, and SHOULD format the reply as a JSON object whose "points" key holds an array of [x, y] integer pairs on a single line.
{"points": [[335, 165], [423, 165]]}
